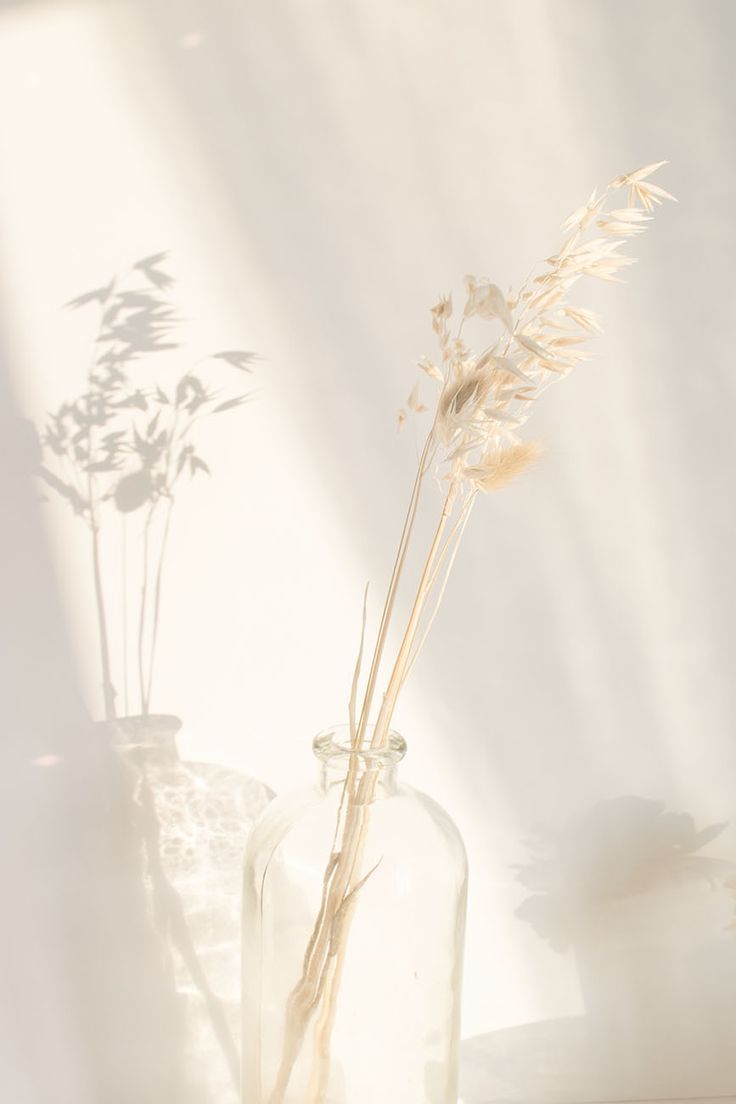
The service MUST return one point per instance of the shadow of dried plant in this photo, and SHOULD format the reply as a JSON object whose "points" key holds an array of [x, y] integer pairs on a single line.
{"points": [[86, 1016], [116, 454], [122, 446]]}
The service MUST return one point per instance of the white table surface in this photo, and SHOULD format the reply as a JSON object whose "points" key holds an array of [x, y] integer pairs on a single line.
{"points": [[549, 1062]]}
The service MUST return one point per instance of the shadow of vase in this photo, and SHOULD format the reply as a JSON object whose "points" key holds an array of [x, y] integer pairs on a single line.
{"points": [[191, 823]]}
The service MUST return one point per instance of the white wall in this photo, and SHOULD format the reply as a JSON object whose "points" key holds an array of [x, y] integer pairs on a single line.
{"points": [[319, 172]]}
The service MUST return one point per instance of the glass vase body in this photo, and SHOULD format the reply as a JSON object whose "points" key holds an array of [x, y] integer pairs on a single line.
{"points": [[383, 1027]]}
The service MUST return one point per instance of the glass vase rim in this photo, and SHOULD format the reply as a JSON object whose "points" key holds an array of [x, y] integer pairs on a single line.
{"points": [[334, 744]]}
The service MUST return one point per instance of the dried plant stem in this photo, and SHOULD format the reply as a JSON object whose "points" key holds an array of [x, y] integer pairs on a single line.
{"points": [[322, 969], [340, 869], [453, 541], [482, 403], [324, 960], [323, 1032], [356, 671], [356, 828], [393, 587], [326, 1020], [380, 734], [325, 952], [306, 995]]}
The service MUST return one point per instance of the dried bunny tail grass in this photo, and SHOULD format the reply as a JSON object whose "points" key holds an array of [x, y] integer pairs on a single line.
{"points": [[501, 468], [536, 337], [482, 400]]}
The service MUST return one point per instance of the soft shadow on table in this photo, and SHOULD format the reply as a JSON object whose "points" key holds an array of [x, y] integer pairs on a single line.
{"points": [[637, 901], [543, 1061], [551, 1062]]}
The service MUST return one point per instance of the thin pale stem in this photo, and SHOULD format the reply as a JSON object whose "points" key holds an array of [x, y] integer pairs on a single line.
{"points": [[344, 865], [356, 673], [326, 1019], [454, 533], [306, 995], [322, 968], [380, 734], [454, 541], [393, 587], [323, 1031], [331, 928], [323, 962]]}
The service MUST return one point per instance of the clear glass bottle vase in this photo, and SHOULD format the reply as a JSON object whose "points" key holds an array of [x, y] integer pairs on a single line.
{"points": [[354, 917]]}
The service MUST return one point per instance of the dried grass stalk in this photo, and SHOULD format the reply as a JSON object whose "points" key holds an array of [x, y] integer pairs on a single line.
{"points": [[473, 446]]}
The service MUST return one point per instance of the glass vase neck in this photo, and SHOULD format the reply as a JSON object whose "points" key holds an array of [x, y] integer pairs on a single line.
{"points": [[337, 756]]}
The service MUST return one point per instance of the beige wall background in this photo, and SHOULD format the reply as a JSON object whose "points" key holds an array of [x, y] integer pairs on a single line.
{"points": [[319, 172]]}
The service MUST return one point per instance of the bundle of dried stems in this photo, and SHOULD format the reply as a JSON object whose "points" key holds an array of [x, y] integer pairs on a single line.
{"points": [[483, 400]]}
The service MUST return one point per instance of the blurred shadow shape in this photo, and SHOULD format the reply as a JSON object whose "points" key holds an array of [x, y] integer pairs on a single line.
{"points": [[650, 922]]}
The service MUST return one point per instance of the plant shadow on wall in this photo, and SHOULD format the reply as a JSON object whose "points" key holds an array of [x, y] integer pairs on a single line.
{"points": [[77, 1022], [118, 454], [628, 889], [119, 451]]}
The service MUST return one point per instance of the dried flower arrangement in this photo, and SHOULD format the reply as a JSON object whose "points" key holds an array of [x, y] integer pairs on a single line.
{"points": [[472, 446], [124, 444]]}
